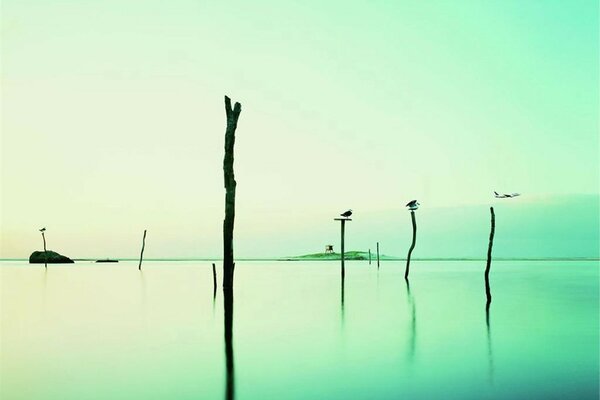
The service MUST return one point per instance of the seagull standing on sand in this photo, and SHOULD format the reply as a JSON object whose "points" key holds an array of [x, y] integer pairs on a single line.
{"points": [[346, 214], [412, 205]]}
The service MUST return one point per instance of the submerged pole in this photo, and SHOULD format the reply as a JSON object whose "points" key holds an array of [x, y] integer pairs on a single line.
{"points": [[488, 292], [142, 253], [228, 328], [412, 246], [369, 256], [377, 255]]}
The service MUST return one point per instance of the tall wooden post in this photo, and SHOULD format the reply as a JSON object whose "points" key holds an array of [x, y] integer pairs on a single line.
{"points": [[377, 255], [369, 256], [412, 246], [488, 292], [142, 253], [343, 226], [230, 184]]}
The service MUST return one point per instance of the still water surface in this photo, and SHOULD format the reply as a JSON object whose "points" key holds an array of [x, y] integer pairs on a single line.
{"points": [[90, 331]]}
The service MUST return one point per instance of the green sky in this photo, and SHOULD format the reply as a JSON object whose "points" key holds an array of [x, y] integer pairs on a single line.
{"points": [[113, 122]]}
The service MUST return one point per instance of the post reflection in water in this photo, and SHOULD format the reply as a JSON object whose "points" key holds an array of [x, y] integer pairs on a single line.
{"points": [[342, 294], [413, 323], [489, 340], [228, 320]]}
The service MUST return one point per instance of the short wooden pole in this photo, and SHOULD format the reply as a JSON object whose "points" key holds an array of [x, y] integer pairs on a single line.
{"points": [[412, 246], [377, 255], [214, 268], [142, 253]]}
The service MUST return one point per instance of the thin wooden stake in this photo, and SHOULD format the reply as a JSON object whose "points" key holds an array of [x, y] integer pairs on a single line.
{"points": [[412, 246], [369, 256], [488, 292], [45, 252], [142, 253], [377, 255], [214, 280]]}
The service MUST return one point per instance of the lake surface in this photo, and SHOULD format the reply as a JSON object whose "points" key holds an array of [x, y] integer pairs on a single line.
{"points": [[106, 331]]}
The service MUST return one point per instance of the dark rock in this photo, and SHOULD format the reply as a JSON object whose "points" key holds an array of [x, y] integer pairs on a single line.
{"points": [[39, 257]]}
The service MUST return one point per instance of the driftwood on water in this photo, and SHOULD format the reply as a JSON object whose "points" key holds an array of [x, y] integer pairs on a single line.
{"points": [[488, 292], [230, 184], [142, 253], [412, 246]]}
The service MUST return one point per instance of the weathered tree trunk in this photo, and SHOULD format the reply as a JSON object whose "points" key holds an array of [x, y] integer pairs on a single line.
{"points": [[488, 292], [230, 184], [142, 253], [412, 246]]}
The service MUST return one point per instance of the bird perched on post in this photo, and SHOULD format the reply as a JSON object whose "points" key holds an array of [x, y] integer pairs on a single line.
{"points": [[43, 229], [346, 214], [412, 205]]}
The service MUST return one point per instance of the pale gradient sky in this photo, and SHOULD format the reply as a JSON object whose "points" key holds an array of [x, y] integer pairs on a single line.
{"points": [[113, 122]]}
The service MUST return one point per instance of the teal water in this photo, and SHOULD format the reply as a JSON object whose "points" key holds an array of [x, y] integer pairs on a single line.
{"points": [[89, 331]]}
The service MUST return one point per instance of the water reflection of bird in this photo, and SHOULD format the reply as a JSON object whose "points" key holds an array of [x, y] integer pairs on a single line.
{"points": [[43, 229], [413, 205], [505, 195], [346, 214]]}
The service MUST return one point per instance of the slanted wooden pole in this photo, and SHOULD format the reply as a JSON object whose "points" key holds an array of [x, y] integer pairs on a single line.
{"points": [[488, 292], [369, 256], [412, 246], [230, 185], [142, 253], [377, 255]]}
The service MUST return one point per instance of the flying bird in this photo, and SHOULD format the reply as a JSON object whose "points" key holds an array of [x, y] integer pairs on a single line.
{"points": [[505, 195], [412, 205], [346, 214], [43, 229]]}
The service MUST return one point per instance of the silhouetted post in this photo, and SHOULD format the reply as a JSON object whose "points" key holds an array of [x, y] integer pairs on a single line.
{"points": [[369, 256], [142, 253], [412, 246], [230, 184], [45, 252], [377, 255], [343, 225], [488, 292], [214, 280]]}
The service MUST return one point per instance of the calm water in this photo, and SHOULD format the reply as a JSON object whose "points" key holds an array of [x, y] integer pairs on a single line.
{"points": [[89, 331]]}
